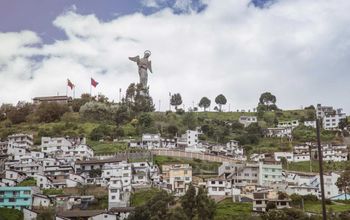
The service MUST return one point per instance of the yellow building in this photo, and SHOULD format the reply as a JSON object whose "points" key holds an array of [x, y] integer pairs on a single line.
{"points": [[178, 177]]}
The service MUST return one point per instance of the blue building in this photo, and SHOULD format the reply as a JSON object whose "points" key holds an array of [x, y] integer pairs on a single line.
{"points": [[16, 197]]}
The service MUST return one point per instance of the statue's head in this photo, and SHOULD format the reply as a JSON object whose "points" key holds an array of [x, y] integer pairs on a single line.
{"points": [[147, 54]]}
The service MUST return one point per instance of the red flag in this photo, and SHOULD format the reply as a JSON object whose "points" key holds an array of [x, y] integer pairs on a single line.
{"points": [[94, 83], [70, 84]]}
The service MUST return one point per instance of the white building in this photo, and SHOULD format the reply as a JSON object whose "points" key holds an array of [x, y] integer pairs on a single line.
{"points": [[330, 116], [302, 152], [150, 141], [302, 190], [219, 187], [247, 120], [168, 143], [118, 195], [67, 147], [24, 141], [43, 181], [189, 139], [310, 124], [332, 153], [288, 124], [40, 201], [279, 132], [288, 155], [122, 170]]}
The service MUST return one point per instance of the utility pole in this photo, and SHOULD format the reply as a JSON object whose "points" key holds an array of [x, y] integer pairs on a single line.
{"points": [[320, 161]]}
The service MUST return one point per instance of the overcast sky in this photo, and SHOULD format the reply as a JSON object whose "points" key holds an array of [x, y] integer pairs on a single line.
{"points": [[299, 50]]}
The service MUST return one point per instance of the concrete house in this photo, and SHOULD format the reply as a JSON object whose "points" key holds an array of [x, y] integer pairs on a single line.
{"points": [[178, 177]]}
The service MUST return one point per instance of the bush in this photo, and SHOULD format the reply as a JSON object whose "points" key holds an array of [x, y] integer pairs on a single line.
{"points": [[310, 197], [100, 132], [10, 214], [50, 112], [30, 181], [53, 192]]}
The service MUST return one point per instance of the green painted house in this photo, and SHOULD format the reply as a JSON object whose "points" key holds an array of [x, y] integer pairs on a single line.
{"points": [[16, 197]]}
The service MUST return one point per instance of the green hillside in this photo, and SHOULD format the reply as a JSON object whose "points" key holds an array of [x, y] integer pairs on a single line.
{"points": [[108, 126]]}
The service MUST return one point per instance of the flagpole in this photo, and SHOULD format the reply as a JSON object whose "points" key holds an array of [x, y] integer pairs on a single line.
{"points": [[90, 88]]}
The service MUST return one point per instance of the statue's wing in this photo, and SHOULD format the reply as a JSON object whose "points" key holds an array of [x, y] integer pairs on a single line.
{"points": [[150, 66], [135, 59]]}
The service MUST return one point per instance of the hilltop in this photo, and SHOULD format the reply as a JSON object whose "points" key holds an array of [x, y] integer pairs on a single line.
{"points": [[218, 127]]}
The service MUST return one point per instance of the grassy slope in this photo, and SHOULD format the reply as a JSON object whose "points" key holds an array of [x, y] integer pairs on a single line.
{"points": [[198, 166], [315, 207], [141, 197], [227, 209], [328, 166], [107, 147]]}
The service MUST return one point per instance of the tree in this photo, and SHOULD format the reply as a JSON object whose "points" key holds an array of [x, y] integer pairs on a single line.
{"points": [[137, 99], [274, 214], [176, 214], [155, 208], [205, 205], [343, 181], [311, 107], [220, 100], [270, 206], [267, 99], [100, 132], [172, 130], [51, 111], [188, 202], [176, 100], [204, 103], [102, 98], [145, 120], [19, 113], [267, 102], [48, 214], [190, 120], [10, 214], [343, 123]]}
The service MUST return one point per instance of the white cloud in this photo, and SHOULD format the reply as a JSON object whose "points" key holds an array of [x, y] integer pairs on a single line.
{"points": [[298, 50], [150, 3]]}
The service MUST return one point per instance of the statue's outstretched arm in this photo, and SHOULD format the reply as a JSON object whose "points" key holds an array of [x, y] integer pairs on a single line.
{"points": [[150, 66], [135, 59]]}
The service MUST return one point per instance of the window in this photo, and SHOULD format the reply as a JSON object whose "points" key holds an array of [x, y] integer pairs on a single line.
{"points": [[27, 192], [220, 182], [258, 202], [1, 200], [185, 172], [215, 189], [12, 200], [113, 197]]}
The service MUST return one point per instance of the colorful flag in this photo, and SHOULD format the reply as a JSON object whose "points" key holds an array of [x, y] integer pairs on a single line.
{"points": [[94, 83], [70, 84]]}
